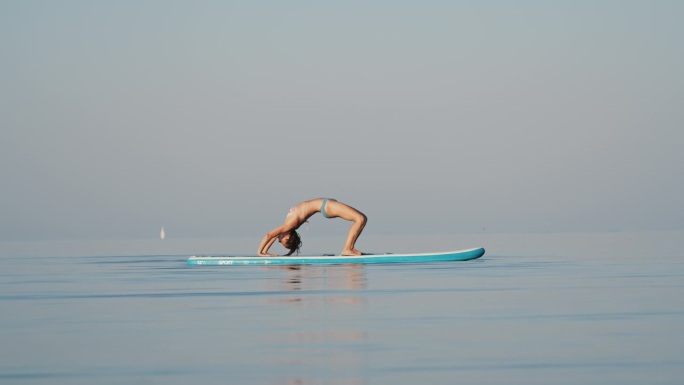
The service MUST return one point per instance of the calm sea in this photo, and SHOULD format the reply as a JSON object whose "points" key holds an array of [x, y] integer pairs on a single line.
{"points": [[536, 309]]}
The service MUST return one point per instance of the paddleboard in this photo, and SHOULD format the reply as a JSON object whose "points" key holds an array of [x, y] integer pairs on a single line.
{"points": [[460, 255]]}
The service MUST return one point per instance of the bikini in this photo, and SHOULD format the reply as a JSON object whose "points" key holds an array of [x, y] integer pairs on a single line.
{"points": [[325, 200]]}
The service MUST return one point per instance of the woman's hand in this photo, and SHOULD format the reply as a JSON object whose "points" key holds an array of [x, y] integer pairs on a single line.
{"points": [[267, 255]]}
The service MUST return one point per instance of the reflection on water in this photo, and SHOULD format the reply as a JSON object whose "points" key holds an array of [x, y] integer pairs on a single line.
{"points": [[322, 343], [335, 277]]}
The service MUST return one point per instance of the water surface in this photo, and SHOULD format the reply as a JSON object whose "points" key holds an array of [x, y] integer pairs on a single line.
{"points": [[536, 309]]}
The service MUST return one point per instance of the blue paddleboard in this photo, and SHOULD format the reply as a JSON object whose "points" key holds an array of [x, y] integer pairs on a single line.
{"points": [[460, 255]]}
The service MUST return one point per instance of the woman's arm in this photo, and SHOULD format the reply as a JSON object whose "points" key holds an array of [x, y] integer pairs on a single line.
{"points": [[268, 240], [292, 222]]}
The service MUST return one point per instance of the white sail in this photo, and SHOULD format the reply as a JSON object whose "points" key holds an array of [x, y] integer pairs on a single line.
{"points": [[162, 235]]}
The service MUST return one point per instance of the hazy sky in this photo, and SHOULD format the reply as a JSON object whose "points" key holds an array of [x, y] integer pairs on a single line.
{"points": [[212, 118]]}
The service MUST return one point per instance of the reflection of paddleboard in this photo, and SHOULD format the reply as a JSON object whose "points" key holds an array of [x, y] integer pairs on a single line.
{"points": [[461, 255]]}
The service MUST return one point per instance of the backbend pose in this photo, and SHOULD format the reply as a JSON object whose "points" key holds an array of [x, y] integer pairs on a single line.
{"points": [[330, 208]]}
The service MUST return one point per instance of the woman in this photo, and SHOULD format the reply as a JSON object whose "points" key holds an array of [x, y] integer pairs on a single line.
{"points": [[330, 208]]}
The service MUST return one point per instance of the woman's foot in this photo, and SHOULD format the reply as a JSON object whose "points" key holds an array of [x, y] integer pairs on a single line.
{"points": [[351, 252]]}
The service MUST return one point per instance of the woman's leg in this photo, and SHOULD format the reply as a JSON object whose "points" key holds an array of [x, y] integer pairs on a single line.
{"points": [[353, 235], [338, 209]]}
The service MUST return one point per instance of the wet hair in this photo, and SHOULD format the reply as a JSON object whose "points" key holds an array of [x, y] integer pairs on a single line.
{"points": [[294, 243]]}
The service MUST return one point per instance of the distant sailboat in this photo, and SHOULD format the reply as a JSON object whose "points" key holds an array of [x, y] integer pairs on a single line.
{"points": [[162, 235]]}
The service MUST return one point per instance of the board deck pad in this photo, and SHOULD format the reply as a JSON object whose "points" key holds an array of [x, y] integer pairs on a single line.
{"points": [[459, 255]]}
